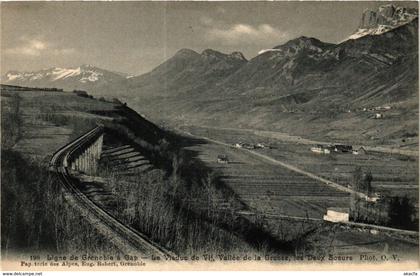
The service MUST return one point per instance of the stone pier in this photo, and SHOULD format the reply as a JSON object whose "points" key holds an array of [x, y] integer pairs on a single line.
{"points": [[86, 160]]}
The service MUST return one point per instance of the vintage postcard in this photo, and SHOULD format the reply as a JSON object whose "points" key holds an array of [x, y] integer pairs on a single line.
{"points": [[144, 136]]}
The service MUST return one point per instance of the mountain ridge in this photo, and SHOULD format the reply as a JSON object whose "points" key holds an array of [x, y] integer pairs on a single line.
{"points": [[84, 76], [189, 70], [304, 87]]}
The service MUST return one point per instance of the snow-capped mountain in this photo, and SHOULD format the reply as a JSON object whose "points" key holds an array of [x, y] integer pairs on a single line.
{"points": [[82, 77], [384, 19]]}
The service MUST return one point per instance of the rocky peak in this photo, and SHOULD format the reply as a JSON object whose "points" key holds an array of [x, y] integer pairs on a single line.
{"points": [[237, 55], [384, 19], [303, 42], [387, 10], [186, 53], [387, 15], [369, 19], [87, 67], [212, 54]]}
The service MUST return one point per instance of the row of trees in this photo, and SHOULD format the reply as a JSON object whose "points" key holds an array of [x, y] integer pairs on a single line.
{"points": [[394, 211]]}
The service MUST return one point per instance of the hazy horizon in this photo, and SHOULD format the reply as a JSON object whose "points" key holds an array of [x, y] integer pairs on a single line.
{"points": [[135, 37]]}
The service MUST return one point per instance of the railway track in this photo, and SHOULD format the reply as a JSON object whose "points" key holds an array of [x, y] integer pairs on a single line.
{"points": [[133, 242]]}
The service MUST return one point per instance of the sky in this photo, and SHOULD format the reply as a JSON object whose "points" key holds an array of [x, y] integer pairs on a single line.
{"points": [[135, 37]]}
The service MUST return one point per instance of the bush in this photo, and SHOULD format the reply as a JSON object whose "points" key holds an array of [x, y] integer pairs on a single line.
{"points": [[82, 93], [34, 216]]}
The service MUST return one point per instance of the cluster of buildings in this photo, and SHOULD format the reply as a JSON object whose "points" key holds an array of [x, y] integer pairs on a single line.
{"points": [[337, 148], [378, 108], [377, 111], [251, 146], [335, 214], [223, 159]]}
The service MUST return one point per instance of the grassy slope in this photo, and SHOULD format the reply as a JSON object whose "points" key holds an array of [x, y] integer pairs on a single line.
{"points": [[51, 119], [35, 219], [35, 123]]}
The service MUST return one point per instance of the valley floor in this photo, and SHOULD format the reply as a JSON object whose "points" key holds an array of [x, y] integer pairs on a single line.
{"points": [[393, 174], [280, 193]]}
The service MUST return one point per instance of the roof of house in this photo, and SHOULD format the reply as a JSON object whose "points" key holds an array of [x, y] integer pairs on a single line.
{"points": [[338, 209]]}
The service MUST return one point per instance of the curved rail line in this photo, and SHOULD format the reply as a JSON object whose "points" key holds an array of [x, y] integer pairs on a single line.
{"points": [[140, 243]]}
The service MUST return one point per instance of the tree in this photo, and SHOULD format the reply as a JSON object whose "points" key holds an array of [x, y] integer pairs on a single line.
{"points": [[367, 183], [401, 212], [361, 182], [357, 179]]}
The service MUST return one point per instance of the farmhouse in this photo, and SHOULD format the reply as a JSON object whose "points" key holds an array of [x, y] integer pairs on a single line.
{"points": [[374, 198], [360, 151], [222, 159], [337, 215], [238, 145], [248, 146], [386, 107], [378, 116], [261, 146], [342, 148], [321, 149]]}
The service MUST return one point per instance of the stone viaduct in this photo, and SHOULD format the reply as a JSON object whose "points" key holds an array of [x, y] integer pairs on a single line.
{"points": [[85, 159]]}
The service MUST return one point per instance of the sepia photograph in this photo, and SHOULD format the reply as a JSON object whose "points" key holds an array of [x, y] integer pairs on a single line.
{"points": [[209, 135]]}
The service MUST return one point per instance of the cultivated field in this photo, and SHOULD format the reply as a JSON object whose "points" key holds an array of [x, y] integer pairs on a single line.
{"points": [[393, 175], [278, 192], [49, 119], [268, 188], [34, 124]]}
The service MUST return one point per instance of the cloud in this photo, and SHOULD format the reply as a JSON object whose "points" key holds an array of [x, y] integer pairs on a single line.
{"points": [[35, 47], [245, 34], [31, 47], [63, 51]]}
